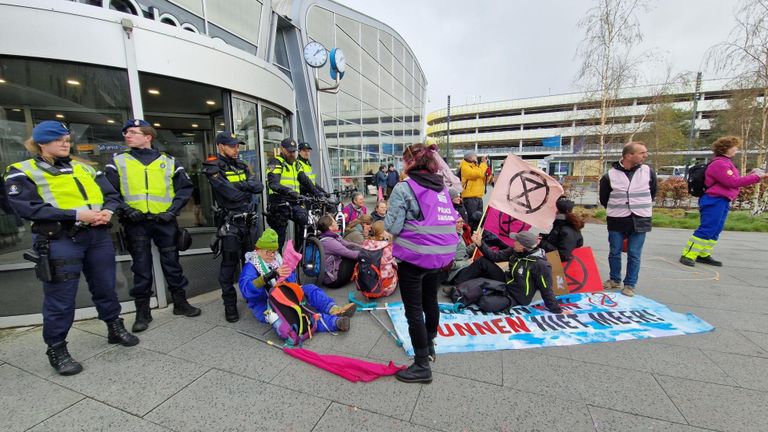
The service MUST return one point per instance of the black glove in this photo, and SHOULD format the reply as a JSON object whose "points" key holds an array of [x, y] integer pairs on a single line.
{"points": [[293, 196], [133, 215], [165, 217], [271, 275]]}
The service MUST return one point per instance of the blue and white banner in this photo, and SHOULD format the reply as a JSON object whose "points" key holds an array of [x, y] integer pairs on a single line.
{"points": [[588, 318]]}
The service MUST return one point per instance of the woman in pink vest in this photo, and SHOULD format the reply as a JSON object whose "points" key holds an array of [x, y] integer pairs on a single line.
{"points": [[422, 219], [723, 182]]}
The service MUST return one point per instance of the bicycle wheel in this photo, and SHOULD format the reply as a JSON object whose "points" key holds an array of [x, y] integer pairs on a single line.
{"points": [[312, 264]]}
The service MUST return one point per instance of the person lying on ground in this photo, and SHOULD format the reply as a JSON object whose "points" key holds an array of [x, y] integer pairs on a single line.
{"points": [[566, 231], [528, 272], [264, 266]]}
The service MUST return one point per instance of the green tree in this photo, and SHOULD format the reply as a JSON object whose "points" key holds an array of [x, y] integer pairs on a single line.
{"points": [[666, 135]]}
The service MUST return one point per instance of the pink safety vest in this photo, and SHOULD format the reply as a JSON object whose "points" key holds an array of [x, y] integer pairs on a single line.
{"points": [[630, 197]]}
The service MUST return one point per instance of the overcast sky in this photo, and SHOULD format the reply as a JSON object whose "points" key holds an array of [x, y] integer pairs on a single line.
{"points": [[486, 50]]}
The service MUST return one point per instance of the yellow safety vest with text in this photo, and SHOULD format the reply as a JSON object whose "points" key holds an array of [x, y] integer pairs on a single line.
{"points": [[146, 188], [65, 188], [289, 174]]}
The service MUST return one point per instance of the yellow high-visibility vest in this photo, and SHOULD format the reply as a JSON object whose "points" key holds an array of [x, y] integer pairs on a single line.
{"points": [[147, 188], [307, 169], [289, 174], [65, 188]]}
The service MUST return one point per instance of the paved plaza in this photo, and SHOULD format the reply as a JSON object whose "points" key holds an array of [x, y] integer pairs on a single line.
{"points": [[201, 374]]}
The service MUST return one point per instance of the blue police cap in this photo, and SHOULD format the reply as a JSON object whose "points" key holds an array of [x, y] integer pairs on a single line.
{"points": [[135, 123], [228, 138], [49, 130]]}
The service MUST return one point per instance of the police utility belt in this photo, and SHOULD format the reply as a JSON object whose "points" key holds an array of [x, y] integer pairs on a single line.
{"points": [[47, 269]]}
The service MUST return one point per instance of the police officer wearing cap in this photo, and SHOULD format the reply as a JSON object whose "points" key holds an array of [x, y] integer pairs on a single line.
{"points": [[154, 188], [234, 189], [70, 205], [305, 165], [286, 179]]}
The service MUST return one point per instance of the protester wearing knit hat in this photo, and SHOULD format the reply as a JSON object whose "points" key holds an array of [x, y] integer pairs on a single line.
{"points": [[262, 269]]}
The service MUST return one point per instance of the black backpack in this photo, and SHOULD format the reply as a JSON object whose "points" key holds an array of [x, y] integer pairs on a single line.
{"points": [[367, 275], [696, 186], [487, 294]]}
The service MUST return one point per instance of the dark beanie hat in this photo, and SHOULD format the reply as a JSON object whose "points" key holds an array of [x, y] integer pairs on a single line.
{"points": [[564, 205]]}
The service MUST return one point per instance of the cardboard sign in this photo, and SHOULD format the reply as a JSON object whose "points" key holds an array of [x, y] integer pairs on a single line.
{"points": [[581, 272], [559, 285]]}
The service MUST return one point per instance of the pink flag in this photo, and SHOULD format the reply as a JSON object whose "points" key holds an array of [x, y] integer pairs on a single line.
{"points": [[291, 259], [503, 225], [346, 367], [526, 193]]}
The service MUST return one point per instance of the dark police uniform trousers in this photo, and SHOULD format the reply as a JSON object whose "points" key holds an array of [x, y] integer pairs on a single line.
{"points": [[279, 214], [139, 236], [234, 244], [90, 251]]}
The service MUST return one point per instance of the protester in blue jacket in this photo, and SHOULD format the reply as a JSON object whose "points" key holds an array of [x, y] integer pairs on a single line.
{"points": [[262, 269]]}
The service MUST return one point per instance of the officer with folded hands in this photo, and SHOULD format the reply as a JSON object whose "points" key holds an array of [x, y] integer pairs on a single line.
{"points": [[154, 188]]}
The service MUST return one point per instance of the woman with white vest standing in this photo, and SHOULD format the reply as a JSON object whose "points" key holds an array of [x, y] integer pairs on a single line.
{"points": [[627, 192], [422, 219]]}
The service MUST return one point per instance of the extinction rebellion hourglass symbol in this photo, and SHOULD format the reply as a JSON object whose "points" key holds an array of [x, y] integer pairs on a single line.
{"points": [[528, 182]]}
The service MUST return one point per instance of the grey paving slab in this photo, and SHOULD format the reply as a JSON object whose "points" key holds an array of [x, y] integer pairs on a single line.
{"points": [[223, 401], [376, 396], [479, 366], [359, 341], [26, 400], [173, 334], [27, 349], [132, 379], [717, 406], [345, 418], [457, 404], [213, 312], [721, 340], [731, 299], [226, 349], [385, 348], [90, 415], [12, 332], [644, 356], [743, 369], [755, 279], [760, 339], [606, 420], [95, 326], [610, 387], [732, 320]]}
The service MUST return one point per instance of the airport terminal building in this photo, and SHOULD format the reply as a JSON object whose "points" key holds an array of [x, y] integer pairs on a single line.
{"points": [[193, 68], [522, 125]]}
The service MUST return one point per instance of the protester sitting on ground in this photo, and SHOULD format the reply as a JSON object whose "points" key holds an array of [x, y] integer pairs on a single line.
{"points": [[528, 270], [340, 255], [566, 231], [464, 251], [264, 266], [359, 229], [722, 182], [354, 209], [382, 240], [380, 212], [458, 204]]}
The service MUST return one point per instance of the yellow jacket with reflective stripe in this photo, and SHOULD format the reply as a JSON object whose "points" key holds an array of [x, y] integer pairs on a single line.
{"points": [[67, 189], [147, 188], [306, 167], [289, 174]]}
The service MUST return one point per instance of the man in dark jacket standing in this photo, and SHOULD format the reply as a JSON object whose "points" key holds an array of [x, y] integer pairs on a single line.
{"points": [[627, 192], [392, 178]]}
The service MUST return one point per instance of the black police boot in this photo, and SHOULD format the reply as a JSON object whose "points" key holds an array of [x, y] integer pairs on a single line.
{"points": [[143, 315], [709, 260], [118, 333], [182, 307], [431, 346], [231, 314], [59, 357], [419, 371]]}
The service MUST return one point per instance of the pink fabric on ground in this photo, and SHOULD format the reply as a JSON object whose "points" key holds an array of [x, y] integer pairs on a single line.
{"points": [[348, 368]]}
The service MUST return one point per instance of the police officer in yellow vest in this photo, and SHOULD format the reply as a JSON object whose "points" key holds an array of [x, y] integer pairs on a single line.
{"points": [[286, 180], [236, 193], [305, 165], [70, 205], [154, 188]]}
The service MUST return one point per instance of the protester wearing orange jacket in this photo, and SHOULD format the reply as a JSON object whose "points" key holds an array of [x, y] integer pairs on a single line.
{"points": [[472, 176]]}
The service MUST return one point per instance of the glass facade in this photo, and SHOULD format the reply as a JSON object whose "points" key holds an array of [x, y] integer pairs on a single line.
{"points": [[381, 102]]}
